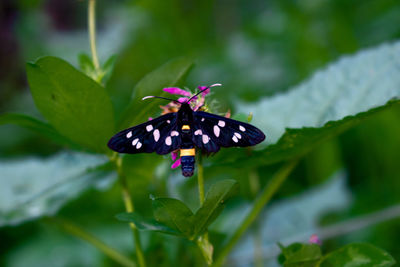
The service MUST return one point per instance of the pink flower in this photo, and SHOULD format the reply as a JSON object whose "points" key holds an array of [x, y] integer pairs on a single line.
{"points": [[205, 92], [314, 240], [199, 104], [176, 164], [196, 102], [174, 154], [183, 99], [176, 91]]}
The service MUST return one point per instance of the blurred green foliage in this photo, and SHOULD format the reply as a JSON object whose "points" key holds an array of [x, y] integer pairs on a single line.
{"points": [[254, 48]]}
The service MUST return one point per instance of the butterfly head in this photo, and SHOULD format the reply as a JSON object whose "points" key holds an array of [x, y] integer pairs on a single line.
{"points": [[185, 114]]}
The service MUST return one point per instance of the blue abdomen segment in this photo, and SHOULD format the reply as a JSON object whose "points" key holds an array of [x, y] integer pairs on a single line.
{"points": [[187, 165]]}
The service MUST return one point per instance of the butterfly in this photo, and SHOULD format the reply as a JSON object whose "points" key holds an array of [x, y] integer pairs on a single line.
{"points": [[186, 130]]}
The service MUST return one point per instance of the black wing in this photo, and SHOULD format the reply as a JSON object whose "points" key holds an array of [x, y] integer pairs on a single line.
{"points": [[212, 132], [159, 135]]}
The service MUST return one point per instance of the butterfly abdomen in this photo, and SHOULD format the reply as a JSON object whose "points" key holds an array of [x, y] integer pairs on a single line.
{"points": [[187, 151], [187, 165]]}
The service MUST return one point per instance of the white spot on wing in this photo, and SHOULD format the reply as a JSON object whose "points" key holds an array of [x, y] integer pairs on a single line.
{"points": [[156, 135], [149, 127], [134, 142], [168, 121], [168, 141], [242, 128], [174, 133], [238, 135], [216, 130], [139, 145], [234, 138], [206, 139], [202, 119], [129, 135], [221, 123], [198, 132]]}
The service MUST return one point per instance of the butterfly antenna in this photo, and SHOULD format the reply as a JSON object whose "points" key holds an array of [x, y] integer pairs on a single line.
{"points": [[208, 87], [152, 96]]}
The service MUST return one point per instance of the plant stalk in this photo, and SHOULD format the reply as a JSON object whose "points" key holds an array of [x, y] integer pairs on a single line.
{"points": [[92, 32], [200, 179], [129, 207], [77, 231], [258, 261], [266, 195], [203, 243]]}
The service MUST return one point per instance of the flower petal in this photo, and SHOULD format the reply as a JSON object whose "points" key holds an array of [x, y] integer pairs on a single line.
{"points": [[174, 155], [183, 99], [170, 107], [205, 92], [199, 104], [315, 240], [176, 164], [176, 91]]}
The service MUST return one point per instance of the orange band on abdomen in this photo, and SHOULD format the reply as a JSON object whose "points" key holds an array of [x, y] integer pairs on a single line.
{"points": [[188, 152]]}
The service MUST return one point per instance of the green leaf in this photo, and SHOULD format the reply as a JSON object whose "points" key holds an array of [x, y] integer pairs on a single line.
{"points": [[86, 64], [76, 106], [206, 249], [175, 214], [240, 117], [34, 125], [330, 102], [32, 187], [144, 224], [143, 166], [300, 255], [108, 68], [100, 75], [351, 85], [170, 74], [213, 205], [358, 255], [35, 251], [297, 142]]}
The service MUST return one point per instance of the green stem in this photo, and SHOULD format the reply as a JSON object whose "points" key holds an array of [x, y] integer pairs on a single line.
{"points": [[129, 207], [203, 243], [258, 261], [200, 178], [92, 32], [75, 230], [254, 184], [265, 196]]}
